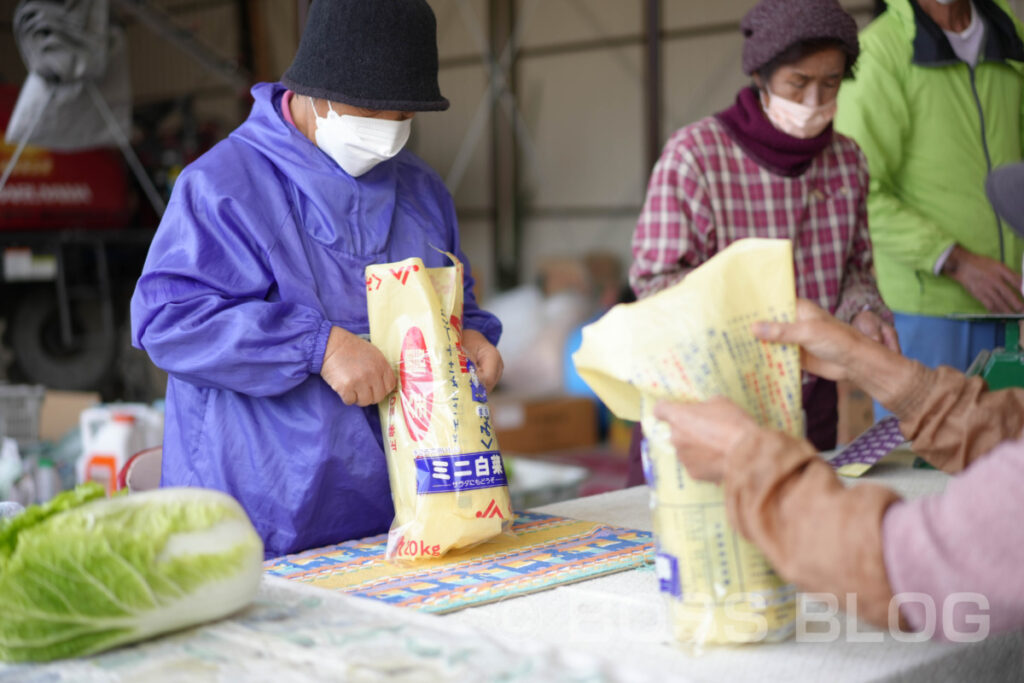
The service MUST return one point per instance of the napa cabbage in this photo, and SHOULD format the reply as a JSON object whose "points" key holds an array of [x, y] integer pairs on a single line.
{"points": [[85, 573]]}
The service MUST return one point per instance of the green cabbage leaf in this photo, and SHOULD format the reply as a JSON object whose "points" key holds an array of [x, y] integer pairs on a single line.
{"points": [[84, 573]]}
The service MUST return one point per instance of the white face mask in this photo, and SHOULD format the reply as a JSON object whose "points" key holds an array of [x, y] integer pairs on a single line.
{"points": [[358, 143], [796, 119]]}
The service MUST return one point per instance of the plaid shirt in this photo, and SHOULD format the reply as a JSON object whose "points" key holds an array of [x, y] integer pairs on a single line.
{"points": [[706, 192]]}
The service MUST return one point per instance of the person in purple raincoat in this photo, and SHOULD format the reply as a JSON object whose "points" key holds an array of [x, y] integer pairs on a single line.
{"points": [[253, 295]]}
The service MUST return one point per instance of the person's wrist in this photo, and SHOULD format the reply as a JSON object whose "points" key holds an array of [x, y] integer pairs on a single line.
{"points": [[884, 374], [907, 389], [953, 262], [339, 341]]}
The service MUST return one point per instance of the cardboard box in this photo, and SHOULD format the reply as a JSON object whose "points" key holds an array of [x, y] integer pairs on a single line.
{"points": [[543, 424], [61, 410]]}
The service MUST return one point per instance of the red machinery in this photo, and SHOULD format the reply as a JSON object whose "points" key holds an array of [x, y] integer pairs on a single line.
{"points": [[52, 190], [75, 227], [71, 252]]}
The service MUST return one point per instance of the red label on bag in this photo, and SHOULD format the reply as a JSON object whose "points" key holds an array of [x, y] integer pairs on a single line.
{"points": [[492, 510], [402, 274], [457, 325], [406, 548], [417, 379]]}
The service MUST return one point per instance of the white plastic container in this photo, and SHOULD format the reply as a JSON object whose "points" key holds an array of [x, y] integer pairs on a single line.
{"points": [[10, 467], [111, 434], [47, 481], [9, 508]]}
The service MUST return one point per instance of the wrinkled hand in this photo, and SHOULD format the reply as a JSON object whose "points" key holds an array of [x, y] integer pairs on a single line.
{"points": [[987, 280], [827, 346], [485, 357], [356, 369], [703, 433], [871, 325]]}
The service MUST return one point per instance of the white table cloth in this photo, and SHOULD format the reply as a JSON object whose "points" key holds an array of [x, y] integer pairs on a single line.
{"points": [[622, 616], [613, 628]]}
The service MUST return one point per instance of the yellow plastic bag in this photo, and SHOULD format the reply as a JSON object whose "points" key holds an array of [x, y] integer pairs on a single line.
{"points": [[448, 479], [691, 342]]}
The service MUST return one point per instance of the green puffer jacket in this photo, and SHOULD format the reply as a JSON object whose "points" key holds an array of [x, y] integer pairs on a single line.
{"points": [[932, 128]]}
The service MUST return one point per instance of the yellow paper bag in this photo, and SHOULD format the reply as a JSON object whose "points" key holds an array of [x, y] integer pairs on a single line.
{"points": [[691, 342], [448, 479]]}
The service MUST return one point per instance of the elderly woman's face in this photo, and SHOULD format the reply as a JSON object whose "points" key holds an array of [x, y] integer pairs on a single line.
{"points": [[813, 80]]}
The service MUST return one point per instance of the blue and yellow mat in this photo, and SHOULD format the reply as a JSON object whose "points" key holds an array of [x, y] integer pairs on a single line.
{"points": [[546, 551]]}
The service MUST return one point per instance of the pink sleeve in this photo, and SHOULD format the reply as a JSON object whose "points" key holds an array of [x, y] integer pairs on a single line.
{"points": [[962, 551]]}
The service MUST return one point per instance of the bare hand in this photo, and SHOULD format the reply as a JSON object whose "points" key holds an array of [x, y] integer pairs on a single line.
{"points": [[488, 362], [356, 369], [871, 325], [987, 280], [703, 433], [827, 346]]}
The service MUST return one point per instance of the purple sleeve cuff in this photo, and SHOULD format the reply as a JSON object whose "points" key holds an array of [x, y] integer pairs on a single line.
{"points": [[318, 347], [485, 323]]}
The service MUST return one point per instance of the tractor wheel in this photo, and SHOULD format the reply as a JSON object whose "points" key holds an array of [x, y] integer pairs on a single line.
{"points": [[42, 357]]}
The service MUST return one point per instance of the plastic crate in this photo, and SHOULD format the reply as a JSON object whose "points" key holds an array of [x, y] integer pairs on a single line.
{"points": [[19, 412]]}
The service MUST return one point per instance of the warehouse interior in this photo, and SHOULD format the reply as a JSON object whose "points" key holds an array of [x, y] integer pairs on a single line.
{"points": [[559, 109], [559, 112], [533, 86]]}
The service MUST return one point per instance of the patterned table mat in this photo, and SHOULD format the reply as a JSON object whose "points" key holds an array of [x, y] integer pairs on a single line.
{"points": [[546, 551], [868, 448]]}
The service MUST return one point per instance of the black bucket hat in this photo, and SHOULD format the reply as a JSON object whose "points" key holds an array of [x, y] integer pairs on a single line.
{"points": [[377, 54], [1005, 187]]}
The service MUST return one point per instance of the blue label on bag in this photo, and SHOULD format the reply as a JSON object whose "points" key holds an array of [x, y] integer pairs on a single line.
{"points": [[666, 568], [647, 463], [475, 385], [451, 473]]}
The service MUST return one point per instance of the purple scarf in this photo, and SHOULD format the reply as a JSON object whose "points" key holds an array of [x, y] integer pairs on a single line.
{"points": [[776, 151]]}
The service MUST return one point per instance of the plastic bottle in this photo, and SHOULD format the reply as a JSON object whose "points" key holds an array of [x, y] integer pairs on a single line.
{"points": [[10, 467], [24, 492], [10, 509], [108, 450], [47, 481]]}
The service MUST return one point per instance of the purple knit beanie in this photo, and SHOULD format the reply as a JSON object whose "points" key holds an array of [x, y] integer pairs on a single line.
{"points": [[773, 26]]}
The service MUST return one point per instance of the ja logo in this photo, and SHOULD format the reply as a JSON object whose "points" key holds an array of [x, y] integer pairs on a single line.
{"points": [[402, 274], [491, 511]]}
